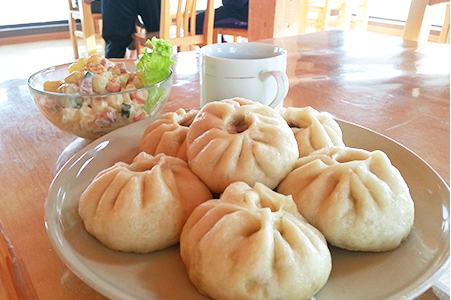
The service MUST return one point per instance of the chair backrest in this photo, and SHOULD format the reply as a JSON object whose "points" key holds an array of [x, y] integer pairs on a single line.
{"points": [[322, 14], [185, 22], [72, 6], [185, 18], [361, 9], [180, 28]]}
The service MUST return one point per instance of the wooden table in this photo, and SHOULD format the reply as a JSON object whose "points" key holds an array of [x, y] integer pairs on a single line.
{"points": [[400, 89]]}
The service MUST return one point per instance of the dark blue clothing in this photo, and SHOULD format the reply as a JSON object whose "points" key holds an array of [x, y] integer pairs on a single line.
{"points": [[96, 6], [119, 22], [236, 3], [232, 14]]}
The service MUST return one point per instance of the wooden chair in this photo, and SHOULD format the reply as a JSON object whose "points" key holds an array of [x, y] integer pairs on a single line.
{"points": [[419, 20], [361, 10], [322, 14], [180, 28], [91, 27], [444, 34], [234, 32]]}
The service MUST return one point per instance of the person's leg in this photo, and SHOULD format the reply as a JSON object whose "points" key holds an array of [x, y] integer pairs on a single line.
{"points": [[131, 52], [200, 22], [149, 10], [224, 17], [118, 26], [96, 7]]}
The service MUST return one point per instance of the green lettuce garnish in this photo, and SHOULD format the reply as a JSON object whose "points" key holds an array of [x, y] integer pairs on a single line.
{"points": [[155, 64]]}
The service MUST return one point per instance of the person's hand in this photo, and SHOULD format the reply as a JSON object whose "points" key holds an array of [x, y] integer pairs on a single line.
{"points": [[88, 1]]}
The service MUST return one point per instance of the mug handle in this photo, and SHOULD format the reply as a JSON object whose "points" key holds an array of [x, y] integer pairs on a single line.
{"points": [[282, 86]]}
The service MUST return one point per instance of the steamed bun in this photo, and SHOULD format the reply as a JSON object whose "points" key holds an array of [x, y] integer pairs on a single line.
{"points": [[252, 243], [167, 135], [143, 206], [356, 198], [313, 130], [240, 140]]}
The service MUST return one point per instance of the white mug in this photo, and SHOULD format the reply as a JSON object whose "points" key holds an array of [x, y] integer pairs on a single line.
{"points": [[255, 71]]}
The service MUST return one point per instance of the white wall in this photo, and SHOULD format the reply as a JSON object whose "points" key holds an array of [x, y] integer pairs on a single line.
{"points": [[390, 9], [32, 11]]}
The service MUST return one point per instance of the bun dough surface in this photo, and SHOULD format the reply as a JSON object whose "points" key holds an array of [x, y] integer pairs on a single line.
{"points": [[252, 243], [313, 130], [356, 198], [143, 206], [240, 140], [167, 135]]}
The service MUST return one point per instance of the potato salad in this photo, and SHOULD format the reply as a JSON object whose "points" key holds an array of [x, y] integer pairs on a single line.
{"points": [[103, 95]]}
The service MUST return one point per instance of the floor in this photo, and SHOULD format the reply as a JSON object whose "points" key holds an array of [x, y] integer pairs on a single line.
{"points": [[19, 61]]}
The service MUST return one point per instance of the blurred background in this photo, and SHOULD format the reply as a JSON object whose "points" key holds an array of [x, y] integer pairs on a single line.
{"points": [[35, 34]]}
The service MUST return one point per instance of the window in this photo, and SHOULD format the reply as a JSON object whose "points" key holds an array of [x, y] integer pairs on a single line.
{"points": [[32, 11], [398, 10]]}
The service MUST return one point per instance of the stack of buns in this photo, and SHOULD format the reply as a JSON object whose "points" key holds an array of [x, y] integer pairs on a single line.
{"points": [[253, 195]]}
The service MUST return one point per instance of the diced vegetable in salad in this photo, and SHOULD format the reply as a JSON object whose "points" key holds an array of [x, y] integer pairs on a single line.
{"points": [[100, 81]]}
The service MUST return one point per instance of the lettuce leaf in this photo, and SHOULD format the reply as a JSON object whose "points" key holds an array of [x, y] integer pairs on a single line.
{"points": [[155, 63]]}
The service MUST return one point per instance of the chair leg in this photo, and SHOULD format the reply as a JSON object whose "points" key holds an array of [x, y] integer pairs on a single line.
{"points": [[100, 24], [87, 25], [345, 16], [91, 44], [139, 46], [418, 22], [303, 16], [183, 48], [444, 34], [362, 16], [324, 16], [73, 37]]}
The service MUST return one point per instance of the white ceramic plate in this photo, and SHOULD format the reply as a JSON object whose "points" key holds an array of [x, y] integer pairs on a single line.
{"points": [[400, 274]]}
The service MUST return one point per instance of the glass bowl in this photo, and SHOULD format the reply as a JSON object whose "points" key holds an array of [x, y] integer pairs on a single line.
{"points": [[91, 116]]}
